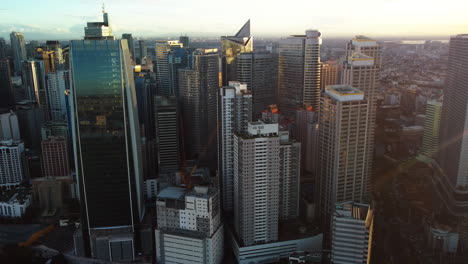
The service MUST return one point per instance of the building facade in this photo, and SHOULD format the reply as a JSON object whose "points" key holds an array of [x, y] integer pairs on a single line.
{"points": [[231, 47], [235, 111], [189, 226], [7, 98], [259, 71], [167, 133], [9, 127], [55, 161], [344, 163], [256, 184], [430, 143], [58, 83], [199, 87], [352, 228], [106, 140], [453, 141], [12, 169], [19, 50], [299, 71]]}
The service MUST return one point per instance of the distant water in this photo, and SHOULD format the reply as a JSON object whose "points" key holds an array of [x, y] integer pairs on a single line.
{"points": [[418, 42]]}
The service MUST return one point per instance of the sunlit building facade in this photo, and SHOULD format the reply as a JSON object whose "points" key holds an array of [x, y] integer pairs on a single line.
{"points": [[299, 72], [232, 46]]}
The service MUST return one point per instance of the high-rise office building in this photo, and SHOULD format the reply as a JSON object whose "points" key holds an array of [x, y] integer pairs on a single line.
{"points": [[54, 45], [167, 133], [235, 111], [3, 49], [9, 127], [19, 50], [185, 41], [106, 142], [289, 176], [99, 30], [48, 58], [352, 228], [231, 47], [143, 50], [55, 157], [299, 71], [329, 74], [189, 226], [344, 172], [7, 99], [307, 135], [163, 72], [31, 117], [198, 92], [57, 84], [453, 141], [259, 71], [12, 171], [430, 143], [131, 46], [34, 82], [145, 89], [256, 184]]}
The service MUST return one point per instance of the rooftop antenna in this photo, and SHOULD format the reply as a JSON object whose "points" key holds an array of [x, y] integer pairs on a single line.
{"points": [[103, 7]]}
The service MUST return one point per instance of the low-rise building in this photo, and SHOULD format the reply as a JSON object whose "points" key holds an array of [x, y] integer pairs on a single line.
{"points": [[189, 226], [14, 202]]}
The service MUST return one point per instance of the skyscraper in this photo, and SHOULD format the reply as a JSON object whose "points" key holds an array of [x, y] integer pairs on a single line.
{"points": [[31, 117], [34, 83], [352, 228], [235, 111], [167, 133], [259, 71], [55, 157], [143, 50], [299, 71], [256, 183], [430, 143], [19, 50], [106, 142], [344, 162], [198, 92], [290, 174], [2, 49], [231, 47], [163, 72], [307, 135], [9, 127], [131, 47], [7, 99], [184, 40], [453, 144], [57, 84], [329, 74]]}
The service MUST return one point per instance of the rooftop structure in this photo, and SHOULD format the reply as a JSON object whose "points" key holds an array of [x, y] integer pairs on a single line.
{"points": [[344, 93]]}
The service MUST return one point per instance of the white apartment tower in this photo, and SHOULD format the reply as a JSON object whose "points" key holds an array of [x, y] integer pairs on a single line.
{"points": [[352, 228], [344, 139], [234, 113], [11, 163], [256, 183], [189, 226], [299, 71], [57, 84]]}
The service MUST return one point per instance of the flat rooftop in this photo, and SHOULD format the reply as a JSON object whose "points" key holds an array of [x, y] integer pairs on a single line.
{"points": [[352, 210], [344, 93], [176, 193]]}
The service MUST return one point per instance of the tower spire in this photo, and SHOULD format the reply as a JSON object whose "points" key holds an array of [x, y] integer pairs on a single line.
{"points": [[103, 7]]}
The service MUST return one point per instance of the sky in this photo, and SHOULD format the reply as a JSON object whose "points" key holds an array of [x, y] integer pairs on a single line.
{"points": [[65, 19]]}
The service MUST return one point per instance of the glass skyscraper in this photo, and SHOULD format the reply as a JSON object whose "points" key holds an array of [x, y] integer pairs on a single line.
{"points": [[106, 143]]}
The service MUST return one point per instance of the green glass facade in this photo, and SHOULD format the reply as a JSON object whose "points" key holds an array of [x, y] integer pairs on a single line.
{"points": [[106, 133]]}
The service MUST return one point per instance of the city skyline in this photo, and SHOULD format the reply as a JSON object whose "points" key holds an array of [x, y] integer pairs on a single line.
{"points": [[167, 19]]}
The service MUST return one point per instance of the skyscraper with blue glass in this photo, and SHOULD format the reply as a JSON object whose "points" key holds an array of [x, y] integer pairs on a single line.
{"points": [[106, 142]]}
